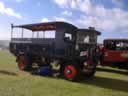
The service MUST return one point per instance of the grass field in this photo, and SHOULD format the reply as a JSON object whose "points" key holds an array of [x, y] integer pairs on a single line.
{"points": [[107, 82]]}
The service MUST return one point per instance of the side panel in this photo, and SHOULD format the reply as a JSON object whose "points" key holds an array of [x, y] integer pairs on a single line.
{"points": [[36, 47], [115, 56]]}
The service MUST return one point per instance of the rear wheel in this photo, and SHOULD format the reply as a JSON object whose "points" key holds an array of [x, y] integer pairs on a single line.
{"points": [[24, 63], [71, 72]]}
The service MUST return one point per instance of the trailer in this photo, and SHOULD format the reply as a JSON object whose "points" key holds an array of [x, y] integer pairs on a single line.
{"points": [[72, 48]]}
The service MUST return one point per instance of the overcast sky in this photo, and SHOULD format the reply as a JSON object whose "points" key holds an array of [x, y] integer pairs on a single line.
{"points": [[108, 16]]}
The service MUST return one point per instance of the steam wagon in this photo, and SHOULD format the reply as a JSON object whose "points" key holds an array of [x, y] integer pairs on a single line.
{"points": [[72, 48]]}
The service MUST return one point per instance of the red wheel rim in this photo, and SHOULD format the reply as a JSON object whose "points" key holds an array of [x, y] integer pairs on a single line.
{"points": [[21, 63], [70, 72]]}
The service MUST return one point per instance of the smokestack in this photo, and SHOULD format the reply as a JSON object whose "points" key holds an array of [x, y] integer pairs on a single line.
{"points": [[91, 28]]}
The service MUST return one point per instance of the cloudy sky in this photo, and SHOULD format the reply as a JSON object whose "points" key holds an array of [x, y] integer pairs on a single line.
{"points": [[108, 16]]}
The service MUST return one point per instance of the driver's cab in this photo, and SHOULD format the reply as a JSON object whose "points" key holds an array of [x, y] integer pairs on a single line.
{"points": [[86, 38], [80, 40]]}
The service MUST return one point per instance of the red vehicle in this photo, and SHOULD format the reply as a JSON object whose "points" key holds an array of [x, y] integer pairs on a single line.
{"points": [[114, 52]]}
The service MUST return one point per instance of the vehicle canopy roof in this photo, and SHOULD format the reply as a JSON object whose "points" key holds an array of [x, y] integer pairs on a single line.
{"points": [[47, 26], [116, 40], [56, 26]]}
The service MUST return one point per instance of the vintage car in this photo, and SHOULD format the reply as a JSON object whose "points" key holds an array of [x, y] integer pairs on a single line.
{"points": [[115, 53]]}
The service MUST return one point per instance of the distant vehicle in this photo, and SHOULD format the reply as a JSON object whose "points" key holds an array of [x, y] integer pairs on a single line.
{"points": [[115, 53], [61, 42]]}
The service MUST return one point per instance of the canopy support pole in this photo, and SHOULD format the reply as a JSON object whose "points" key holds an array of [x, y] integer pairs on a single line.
{"points": [[22, 32], [32, 34], [37, 34], [43, 34], [11, 31]]}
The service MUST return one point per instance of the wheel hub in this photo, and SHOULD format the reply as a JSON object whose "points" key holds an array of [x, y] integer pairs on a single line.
{"points": [[70, 72]]}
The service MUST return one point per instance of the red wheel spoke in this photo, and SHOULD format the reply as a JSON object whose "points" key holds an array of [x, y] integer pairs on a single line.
{"points": [[70, 72]]}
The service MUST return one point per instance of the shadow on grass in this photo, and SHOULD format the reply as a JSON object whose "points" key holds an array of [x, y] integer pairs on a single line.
{"points": [[7, 73], [108, 83], [113, 71], [102, 82]]}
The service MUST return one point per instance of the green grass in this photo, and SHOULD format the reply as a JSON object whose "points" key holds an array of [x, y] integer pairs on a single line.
{"points": [[107, 82]]}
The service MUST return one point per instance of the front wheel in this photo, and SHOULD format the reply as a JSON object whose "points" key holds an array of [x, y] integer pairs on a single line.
{"points": [[71, 72]]}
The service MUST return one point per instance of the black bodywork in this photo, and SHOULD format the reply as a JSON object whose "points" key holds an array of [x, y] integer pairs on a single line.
{"points": [[51, 47], [59, 46], [64, 47]]}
